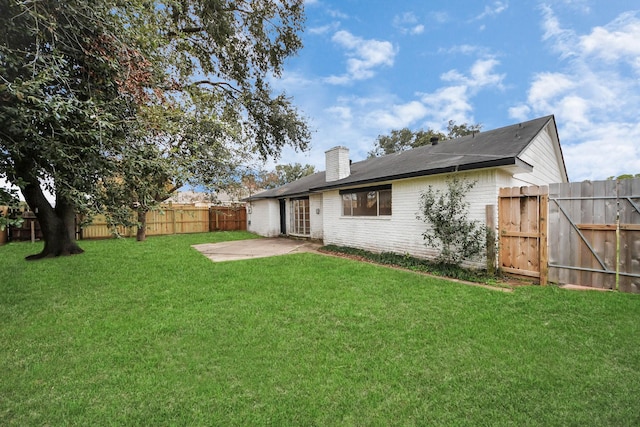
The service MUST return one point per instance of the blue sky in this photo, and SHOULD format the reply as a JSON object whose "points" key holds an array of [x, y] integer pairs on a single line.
{"points": [[369, 66]]}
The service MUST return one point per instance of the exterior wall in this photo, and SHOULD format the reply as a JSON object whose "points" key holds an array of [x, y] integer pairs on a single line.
{"points": [[544, 155], [402, 231], [263, 217], [315, 206]]}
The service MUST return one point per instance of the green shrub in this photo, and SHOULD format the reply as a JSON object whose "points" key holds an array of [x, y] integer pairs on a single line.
{"points": [[450, 230], [415, 264]]}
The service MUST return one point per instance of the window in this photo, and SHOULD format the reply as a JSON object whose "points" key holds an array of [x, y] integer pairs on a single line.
{"points": [[372, 201], [300, 221]]}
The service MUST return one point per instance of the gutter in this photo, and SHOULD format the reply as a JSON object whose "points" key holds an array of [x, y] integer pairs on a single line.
{"points": [[511, 161]]}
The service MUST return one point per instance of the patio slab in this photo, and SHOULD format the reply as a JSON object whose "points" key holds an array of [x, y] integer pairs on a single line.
{"points": [[254, 248]]}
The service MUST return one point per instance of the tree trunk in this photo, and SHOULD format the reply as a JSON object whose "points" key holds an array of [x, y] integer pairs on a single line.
{"points": [[141, 235], [57, 225]]}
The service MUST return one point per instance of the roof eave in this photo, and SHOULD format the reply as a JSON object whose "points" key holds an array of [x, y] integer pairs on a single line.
{"points": [[510, 162], [279, 196]]}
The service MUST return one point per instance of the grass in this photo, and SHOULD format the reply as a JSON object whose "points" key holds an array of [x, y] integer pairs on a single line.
{"points": [[154, 333]]}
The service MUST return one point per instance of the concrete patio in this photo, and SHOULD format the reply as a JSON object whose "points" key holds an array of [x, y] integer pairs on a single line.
{"points": [[254, 248]]}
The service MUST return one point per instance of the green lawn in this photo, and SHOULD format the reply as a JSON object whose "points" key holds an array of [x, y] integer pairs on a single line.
{"points": [[154, 333]]}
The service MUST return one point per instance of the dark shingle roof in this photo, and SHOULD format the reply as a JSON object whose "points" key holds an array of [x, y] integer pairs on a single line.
{"points": [[296, 188], [499, 147]]}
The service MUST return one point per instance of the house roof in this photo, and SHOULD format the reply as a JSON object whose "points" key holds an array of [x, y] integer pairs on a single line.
{"points": [[494, 148]]}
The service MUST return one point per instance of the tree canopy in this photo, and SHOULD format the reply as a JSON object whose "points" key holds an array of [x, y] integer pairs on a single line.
{"points": [[624, 176], [284, 174], [406, 139], [108, 104]]}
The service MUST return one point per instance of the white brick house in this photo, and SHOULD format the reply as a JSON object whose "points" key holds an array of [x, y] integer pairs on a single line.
{"points": [[373, 204]]}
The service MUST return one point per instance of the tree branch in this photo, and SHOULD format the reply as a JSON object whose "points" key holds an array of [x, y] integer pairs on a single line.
{"points": [[229, 87], [191, 30]]}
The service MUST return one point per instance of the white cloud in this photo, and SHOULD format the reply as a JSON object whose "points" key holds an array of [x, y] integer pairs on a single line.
{"points": [[335, 13], [408, 23], [364, 56], [291, 80], [547, 87], [435, 109], [618, 41], [595, 97], [398, 116], [454, 102], [563, 41], [480, 75], [608, 149], [344, 114], [466, 49], [520, 112], [418, 29], [448, 103], [324, 29], [496, 8]]}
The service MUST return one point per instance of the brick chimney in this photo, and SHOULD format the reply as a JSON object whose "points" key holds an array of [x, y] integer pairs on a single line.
{"points": [[337, 163]]}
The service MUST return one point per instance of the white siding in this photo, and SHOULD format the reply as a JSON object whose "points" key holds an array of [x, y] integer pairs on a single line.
{"points": [[263, 217], [315, 205], [402, 232], [545, 157]]}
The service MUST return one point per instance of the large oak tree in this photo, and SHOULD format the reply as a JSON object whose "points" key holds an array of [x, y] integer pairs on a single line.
{"points": [[108, 103]]}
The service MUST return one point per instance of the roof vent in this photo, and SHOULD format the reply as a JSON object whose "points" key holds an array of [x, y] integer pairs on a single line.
{"points": [[434, 140]]}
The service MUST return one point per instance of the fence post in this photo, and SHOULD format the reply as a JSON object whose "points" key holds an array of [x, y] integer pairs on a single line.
{"points": [[617, 235], [544, 244], [491, 239]]}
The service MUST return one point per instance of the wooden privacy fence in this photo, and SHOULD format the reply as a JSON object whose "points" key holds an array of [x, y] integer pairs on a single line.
{"points": [[167, 220], [594, 234], [585, 233], [177, 220], [159, 222]]}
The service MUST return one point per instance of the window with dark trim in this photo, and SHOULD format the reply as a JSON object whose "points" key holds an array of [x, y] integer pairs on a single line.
{"points": [[370, 201]]}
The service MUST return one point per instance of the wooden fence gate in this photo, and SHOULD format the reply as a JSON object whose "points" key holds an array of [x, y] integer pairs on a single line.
{"points": [[522, 231], [594, 234], [227, 218]]}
